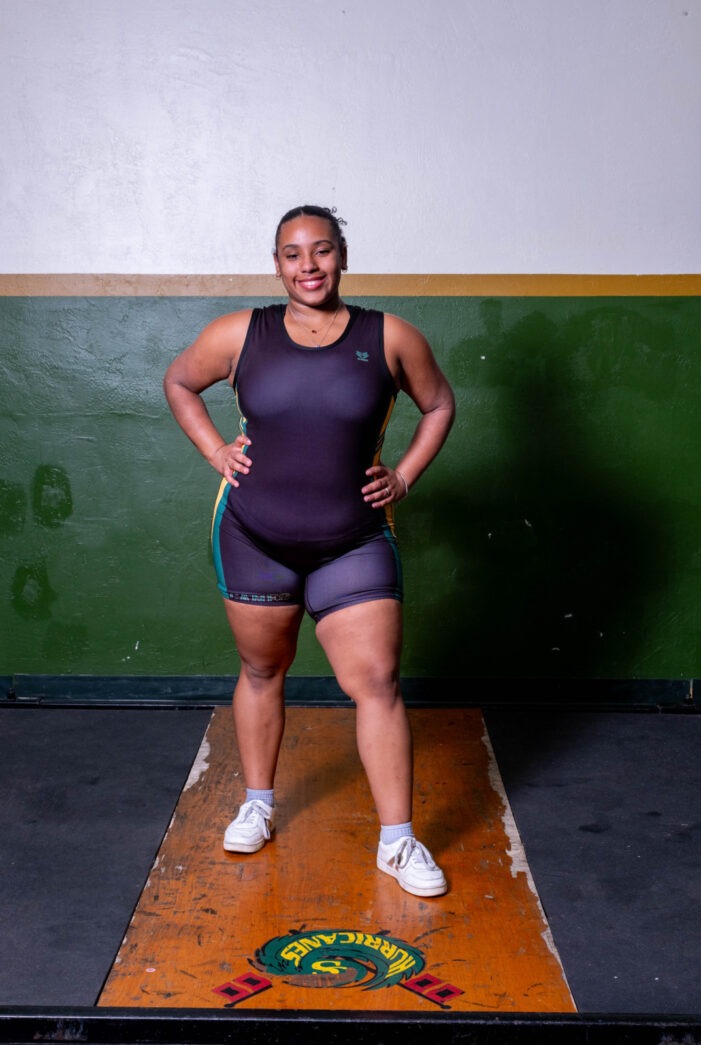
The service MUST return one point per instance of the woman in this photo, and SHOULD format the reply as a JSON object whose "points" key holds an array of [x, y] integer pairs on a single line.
{"points": [[304, 515]]}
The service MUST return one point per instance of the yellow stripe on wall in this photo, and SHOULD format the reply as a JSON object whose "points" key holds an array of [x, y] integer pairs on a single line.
{"points": [[96, 285]]}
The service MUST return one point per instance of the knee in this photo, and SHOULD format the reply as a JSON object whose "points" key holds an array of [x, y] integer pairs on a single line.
{"points": [[261, 674], [372, 683]]}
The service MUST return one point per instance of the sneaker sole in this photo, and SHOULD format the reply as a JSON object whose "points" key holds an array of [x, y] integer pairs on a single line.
{"points": [[244, 847], [427, 890]]}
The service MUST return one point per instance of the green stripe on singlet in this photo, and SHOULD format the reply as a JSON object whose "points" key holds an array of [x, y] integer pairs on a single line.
{"points": [[219, 509]]}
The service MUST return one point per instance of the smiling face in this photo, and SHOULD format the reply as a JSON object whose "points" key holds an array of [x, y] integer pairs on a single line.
{"points": [[309, 260]]}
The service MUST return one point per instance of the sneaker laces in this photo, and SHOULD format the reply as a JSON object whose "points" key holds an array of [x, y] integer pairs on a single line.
{"points": [[253, 811], [412, 851]]}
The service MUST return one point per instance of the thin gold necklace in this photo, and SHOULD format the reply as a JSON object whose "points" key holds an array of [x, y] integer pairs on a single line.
{"points": [[309, 330]]}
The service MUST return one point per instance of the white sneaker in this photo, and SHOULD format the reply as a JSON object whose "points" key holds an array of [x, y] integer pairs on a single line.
{"points": [[413, 866], [251, 829]]}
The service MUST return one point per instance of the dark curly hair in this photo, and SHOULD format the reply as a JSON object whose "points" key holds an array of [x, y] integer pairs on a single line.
{"points": [[327, 213]]}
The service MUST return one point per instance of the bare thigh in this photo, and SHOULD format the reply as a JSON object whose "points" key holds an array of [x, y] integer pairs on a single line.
{"points": [[265, 636], [363, 644]]}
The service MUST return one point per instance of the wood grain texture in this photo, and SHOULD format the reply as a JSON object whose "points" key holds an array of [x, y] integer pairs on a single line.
{"points": [[204, 914]]}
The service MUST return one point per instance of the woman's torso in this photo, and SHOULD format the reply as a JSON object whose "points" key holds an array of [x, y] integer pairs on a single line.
{"points": [[316, 420]]}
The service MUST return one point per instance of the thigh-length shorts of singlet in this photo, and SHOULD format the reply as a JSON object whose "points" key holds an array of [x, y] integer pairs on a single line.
{"points": [[322, 579]]}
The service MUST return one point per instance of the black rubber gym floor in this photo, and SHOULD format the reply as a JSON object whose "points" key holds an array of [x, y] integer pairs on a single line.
{"points": [[606, 803]]}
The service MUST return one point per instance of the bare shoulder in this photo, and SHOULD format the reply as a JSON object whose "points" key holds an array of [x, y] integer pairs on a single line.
{"points": [[226, 332], [413, 365], [400, 331], [213, 354], [405, 345]]}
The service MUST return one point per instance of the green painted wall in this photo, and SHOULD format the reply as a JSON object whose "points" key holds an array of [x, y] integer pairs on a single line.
{"points": [[559, 533]]}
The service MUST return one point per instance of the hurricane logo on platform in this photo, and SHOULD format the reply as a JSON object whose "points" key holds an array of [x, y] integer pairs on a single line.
{"points": [[340, 958]]}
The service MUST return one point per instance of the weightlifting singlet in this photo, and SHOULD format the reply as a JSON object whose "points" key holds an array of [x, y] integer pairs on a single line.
{"points": [[316, 419]]}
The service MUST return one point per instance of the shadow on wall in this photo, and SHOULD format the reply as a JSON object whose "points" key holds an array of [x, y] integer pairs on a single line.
{"points": [[557, 535], [545, 551]]}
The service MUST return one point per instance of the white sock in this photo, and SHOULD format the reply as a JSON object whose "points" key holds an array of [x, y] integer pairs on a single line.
{"points": [[393, 832], [262, 796]]}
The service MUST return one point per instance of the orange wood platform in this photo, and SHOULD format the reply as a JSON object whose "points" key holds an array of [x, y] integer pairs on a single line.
{"points": [[308, 922]]}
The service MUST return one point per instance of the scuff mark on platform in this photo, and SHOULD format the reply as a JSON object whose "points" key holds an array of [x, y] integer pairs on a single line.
{"points": [[201, 763], [516, 852]]}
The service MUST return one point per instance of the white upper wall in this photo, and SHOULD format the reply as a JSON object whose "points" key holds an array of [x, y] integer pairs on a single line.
{"points": [[473, 136]]}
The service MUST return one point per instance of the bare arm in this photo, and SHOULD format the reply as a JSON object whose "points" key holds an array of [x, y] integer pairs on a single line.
{"points": [[208, 360], [417, 373]]}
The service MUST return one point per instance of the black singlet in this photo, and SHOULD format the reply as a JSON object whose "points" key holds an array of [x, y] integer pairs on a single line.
{"points": [[316, 419], [297, 529]]}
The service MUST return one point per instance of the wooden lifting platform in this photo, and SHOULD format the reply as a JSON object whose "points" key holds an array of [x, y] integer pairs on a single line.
{"points": [[308, 922]]}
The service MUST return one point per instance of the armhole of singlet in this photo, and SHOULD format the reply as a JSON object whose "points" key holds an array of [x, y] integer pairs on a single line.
{"points": [[255, 318], [396, 389]]}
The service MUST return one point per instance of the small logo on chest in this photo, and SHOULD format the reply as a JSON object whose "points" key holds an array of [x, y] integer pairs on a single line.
{"points": [[362, 357]]}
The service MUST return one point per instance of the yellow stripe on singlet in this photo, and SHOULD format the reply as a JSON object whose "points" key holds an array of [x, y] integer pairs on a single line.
{"points": [[219, 504], [389, 509]]}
